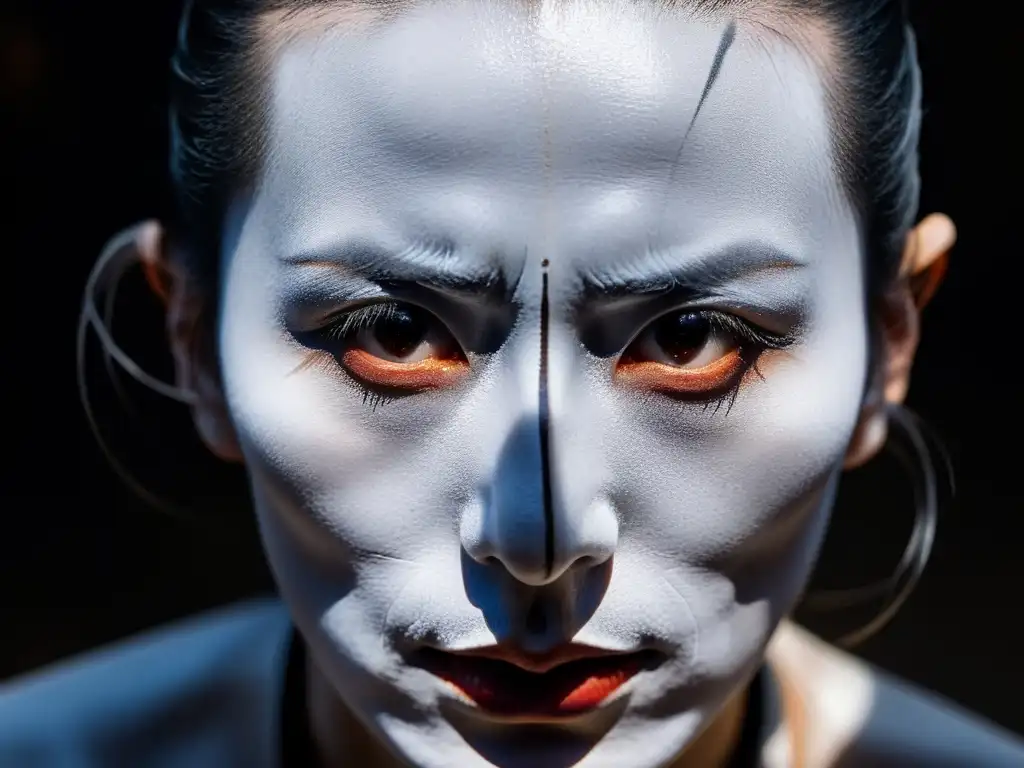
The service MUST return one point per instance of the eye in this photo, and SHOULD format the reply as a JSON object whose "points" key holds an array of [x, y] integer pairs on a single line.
{"points": [[698, 354], [399, 334], [396, 347], [686, 340]]}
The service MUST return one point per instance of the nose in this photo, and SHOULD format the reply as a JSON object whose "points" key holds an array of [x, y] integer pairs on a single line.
{"points": [[527, 521], [541, 512], [539, 516]]}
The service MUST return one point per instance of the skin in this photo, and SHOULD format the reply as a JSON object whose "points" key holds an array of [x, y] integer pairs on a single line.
{"points": [[543, 150]]}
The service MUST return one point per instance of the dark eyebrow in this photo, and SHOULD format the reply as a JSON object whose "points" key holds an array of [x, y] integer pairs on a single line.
{"points": [[660, 271], [430, 263]]}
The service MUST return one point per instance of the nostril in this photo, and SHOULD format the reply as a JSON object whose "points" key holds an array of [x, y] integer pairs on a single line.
{"points": [[536, 619]]}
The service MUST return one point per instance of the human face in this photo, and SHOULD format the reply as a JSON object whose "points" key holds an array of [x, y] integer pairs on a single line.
{"points": [[616, 410]]}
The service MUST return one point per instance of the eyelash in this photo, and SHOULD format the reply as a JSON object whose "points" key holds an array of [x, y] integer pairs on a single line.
{"points": [[345, 324], [752, 342]]}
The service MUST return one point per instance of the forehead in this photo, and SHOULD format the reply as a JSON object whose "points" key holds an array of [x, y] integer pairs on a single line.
{"points": [[585, 121]]}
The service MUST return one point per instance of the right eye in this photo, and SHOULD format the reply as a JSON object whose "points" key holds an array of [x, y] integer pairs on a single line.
{"points": [[397, 346]]}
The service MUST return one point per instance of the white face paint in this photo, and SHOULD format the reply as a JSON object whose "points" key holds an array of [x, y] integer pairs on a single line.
{"points": [[644, 519]]}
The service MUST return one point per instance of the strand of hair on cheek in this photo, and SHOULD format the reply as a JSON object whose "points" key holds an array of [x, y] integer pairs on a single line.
{"points": [[107, 272]]}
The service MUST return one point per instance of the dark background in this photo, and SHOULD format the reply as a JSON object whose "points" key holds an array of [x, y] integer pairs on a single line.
{"points": [[83, 561]]}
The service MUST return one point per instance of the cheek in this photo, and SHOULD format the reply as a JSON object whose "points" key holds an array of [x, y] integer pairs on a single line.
{"points": [[303, 430], [745, 490], [325, 455], [351, 482]]}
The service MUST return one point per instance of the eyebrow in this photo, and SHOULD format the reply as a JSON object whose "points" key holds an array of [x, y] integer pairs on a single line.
{"points": [[431, 263], [702, 273]]}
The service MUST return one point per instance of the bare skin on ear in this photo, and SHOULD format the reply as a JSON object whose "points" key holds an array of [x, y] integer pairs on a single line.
{"points": [[925, 260], [194, 361]]}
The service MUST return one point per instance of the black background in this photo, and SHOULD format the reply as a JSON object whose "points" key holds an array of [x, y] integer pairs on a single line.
{"points": [[83, 561]]}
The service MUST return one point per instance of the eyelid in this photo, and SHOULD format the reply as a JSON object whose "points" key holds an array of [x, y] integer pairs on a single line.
{"points": [[780, 319], [750, 331], [310, 305], [358, 318]]}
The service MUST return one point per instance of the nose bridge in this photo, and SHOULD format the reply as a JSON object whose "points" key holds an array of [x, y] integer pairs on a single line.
{"points": [[539, 514], [584, 526]]}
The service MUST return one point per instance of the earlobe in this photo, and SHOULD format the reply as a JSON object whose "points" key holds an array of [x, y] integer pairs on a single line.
{"points": [[868, 438], [190, 339]]}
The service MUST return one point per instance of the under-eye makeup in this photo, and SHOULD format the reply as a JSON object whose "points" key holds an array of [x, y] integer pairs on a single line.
{"points": [[389, 349], [697, 354]]}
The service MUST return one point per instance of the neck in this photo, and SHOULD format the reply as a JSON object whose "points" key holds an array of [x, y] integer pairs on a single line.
{"points": [[716, 744], [340, 739]]}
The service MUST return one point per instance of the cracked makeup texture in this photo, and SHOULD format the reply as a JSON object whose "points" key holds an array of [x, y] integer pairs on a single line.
{"points": [[521, 140]]}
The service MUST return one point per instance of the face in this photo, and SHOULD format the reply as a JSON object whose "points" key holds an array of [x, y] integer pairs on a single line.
{"points": [[543, 337]]}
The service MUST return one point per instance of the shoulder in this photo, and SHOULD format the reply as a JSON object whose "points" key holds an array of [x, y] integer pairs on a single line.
{"points": [[858, 715], [196, 693]]}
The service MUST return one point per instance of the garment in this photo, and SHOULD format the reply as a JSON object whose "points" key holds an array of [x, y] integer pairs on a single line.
{"points": [[204, 692], [227, 689]]}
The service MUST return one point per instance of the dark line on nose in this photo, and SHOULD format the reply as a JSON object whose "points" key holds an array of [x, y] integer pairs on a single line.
{"points": [[543, 411]]}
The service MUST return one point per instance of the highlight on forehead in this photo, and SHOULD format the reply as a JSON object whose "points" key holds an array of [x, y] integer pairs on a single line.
{"points": [[790, 20], [768, 23]]}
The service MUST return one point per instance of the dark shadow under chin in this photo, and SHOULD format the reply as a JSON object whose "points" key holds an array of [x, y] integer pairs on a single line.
{"points": [[529, 745]]}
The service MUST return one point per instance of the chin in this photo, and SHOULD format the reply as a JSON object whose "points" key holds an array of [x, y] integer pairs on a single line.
{"points": [[611, 737]]}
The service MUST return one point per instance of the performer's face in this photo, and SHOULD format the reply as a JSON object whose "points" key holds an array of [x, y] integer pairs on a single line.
{"points": [[614, 355]]}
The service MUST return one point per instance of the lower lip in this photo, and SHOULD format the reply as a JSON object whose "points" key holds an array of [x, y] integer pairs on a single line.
{"points": [[569, 689]]}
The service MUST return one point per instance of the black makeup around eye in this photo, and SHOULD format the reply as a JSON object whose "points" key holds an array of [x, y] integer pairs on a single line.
{"points": [[321, 297], [607, 316], [608, 330]]}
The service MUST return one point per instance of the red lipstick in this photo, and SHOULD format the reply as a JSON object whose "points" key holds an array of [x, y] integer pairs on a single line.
{"points": [[566, 683]]}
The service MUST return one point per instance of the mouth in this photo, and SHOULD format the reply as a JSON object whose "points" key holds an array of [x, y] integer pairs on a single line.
{"points": [[513, 685]]}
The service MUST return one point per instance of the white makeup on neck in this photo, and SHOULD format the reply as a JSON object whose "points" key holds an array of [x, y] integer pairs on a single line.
{"points": [[521, 177]]}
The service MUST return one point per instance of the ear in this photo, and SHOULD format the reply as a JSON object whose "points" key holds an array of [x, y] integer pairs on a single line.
{"points": [[191, 339], [925, 259]]}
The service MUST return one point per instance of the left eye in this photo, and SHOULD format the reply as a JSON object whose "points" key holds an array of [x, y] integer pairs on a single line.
{"points": [[688, 353], [684, 339]]}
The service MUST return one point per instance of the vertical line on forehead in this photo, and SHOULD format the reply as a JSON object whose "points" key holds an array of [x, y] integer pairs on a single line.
{"points": [[724, 43], [543, 403], [543, 416]]}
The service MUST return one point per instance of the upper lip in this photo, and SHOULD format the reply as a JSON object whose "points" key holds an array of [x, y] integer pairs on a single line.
{"points": [[538, 663]]}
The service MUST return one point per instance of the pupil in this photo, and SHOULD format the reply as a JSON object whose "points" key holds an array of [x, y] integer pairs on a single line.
{"points": [[400, 332], [683, 336]]}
